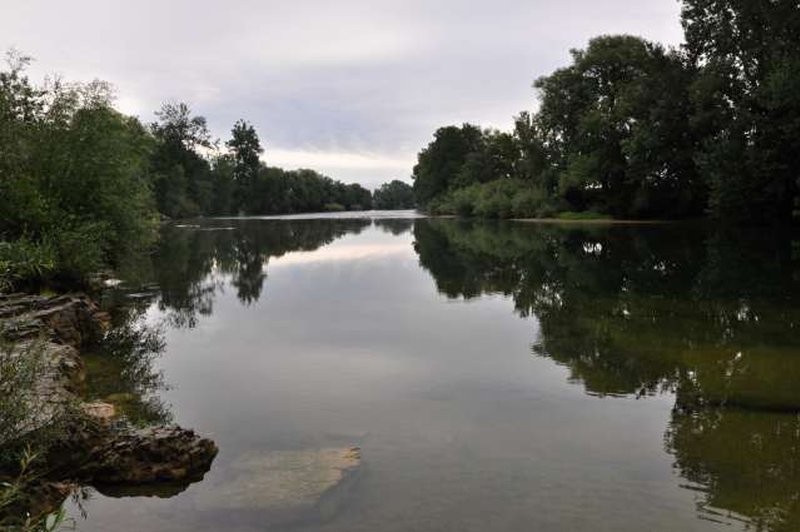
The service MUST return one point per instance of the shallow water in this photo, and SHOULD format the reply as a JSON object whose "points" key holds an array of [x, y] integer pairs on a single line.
{"points": [[497, 376]]}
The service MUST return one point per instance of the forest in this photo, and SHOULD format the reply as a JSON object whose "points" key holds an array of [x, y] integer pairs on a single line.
{"points": [[634, 130], [84, 185], [630, 129]]}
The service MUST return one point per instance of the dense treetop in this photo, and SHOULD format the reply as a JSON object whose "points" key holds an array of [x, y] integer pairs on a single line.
{"points": [[633, 130], [394, 195]]}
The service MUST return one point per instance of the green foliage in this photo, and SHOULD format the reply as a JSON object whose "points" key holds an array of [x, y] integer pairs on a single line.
{"points": [[334, 207], [75, 192], [440, 163], [20, 369], [245, 150], [394, 195], [14, 492], [279, 191], [503, 198], [747, 104], [181, 175], [24, 259], [633, 130], [83, 185]]}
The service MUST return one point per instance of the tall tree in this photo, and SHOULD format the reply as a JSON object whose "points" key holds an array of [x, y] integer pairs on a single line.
{"points": [[245, 149], [747, 99], [616, 124], [439, 164], [182, 174]]}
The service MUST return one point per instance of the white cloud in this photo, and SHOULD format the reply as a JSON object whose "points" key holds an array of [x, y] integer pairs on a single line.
{"points": [[369, 169], [352, 88], [317, 158]]}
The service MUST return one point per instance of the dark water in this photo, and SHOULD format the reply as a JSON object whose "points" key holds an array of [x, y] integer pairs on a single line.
{"points": [[497, 376]]}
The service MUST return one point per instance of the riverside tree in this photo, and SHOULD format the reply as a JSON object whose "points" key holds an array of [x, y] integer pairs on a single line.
{"points": [[634, 130]]}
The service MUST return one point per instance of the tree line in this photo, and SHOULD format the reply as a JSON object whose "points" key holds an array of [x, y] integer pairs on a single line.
{"points": [[191, 176], [82, 184], [632, 129]]}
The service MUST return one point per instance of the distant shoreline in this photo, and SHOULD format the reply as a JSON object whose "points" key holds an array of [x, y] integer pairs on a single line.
{"points": [[596, 221]]}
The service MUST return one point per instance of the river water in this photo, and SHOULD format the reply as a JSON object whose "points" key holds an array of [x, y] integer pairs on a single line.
{"points": [[496, 376]]}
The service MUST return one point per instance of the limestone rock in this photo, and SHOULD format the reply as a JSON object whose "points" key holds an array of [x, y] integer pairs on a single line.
{"points": [[99, 449], [153, 455], [68, 319], [287, 485], [103, 412]]}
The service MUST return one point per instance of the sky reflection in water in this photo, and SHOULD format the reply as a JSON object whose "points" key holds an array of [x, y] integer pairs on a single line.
{"points": [[490, 372]]}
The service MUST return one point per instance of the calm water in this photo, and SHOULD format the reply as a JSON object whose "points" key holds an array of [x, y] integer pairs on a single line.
{"points": [[497, 376]]}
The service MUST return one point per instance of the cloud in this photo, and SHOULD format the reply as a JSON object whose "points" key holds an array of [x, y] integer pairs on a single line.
{"points": [[372, 168], [352, 88]]}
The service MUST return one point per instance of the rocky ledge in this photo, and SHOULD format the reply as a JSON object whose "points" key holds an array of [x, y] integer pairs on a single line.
{"points": [[98, 449]]}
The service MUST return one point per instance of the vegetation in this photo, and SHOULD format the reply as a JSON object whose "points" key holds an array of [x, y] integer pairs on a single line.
{"points": [[28, 426], [83, 185], [74, 192], [633, 130], [394, 195]]}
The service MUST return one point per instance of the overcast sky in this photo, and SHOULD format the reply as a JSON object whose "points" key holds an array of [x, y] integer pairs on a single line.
{"points": [[352, 88]]}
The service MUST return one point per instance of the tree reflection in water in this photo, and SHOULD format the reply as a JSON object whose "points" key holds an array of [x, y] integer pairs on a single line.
{"points": [[191, 266], [709, 315], [191, 263]]}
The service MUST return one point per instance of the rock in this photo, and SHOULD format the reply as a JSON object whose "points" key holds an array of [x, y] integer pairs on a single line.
{"points": [[98, 449], [103, 412], [287, 484], [153, 455], [60, 374], [69, 319]]}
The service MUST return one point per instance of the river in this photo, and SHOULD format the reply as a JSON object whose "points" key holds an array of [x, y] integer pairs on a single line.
{"points": [[502, 376]]}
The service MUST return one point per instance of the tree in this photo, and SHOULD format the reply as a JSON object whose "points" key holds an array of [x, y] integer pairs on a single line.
{"points": [[394, 195], [439, 164], [222, 185], [615, 123], [182, 174], [245, 149], [747, 104], [75, 191]]}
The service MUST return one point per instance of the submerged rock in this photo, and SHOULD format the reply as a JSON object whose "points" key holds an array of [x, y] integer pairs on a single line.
{"points": [[287, 485], [103, 412]]}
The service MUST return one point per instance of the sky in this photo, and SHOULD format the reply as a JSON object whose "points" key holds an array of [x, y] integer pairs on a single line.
{"points": [[350, 88]]}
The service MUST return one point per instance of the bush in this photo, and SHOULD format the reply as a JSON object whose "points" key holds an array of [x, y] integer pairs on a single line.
{"points": [[24, 260], [502, 198], [81, 250], [26, 436], [334, 207], [75, 192]]}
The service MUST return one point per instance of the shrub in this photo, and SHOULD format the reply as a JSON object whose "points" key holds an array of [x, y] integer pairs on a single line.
{"points": [[26, 436], [334, 207], [23, 260]]}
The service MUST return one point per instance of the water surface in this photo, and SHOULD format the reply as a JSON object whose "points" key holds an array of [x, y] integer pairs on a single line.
{"points": [[497, 376]]}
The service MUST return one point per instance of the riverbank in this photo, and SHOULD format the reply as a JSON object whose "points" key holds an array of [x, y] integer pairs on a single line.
{"points": [[74, 443]]}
